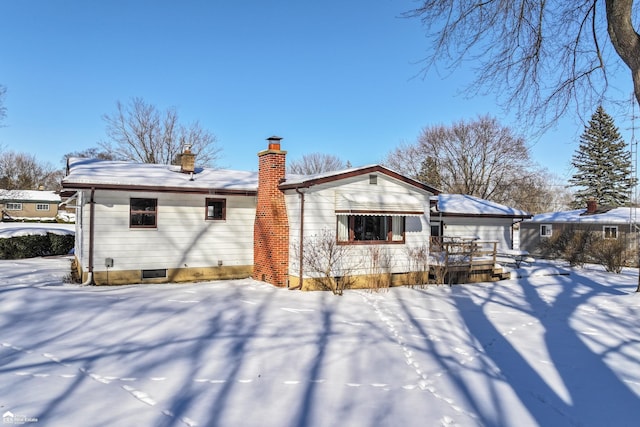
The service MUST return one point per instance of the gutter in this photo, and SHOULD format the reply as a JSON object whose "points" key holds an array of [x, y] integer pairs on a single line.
{"points": [[160, 189], [92, 204]]}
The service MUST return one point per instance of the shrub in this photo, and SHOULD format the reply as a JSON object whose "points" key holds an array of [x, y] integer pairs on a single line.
{"points": [[570, 244], [61, 244], [327, 263], [35, 245], [609, 253], [579, 247]]}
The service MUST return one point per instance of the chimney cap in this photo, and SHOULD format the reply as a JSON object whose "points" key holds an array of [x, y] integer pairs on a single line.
{"points": [[274, 142]]}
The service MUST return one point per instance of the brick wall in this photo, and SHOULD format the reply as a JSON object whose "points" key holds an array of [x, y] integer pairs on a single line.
{"points": [[271, 227]]}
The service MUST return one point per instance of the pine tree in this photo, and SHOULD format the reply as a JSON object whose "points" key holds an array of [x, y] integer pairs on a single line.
{"points": [[603, 164]]}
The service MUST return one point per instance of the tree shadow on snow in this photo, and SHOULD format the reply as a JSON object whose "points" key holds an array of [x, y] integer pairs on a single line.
{"points": [[587, 389]]}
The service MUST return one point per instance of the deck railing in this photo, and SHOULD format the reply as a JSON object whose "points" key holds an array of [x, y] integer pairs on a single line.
{"points": [[460, 251]]}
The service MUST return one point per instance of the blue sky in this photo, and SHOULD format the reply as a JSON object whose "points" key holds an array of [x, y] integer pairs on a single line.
{"points": [[336, 77]]}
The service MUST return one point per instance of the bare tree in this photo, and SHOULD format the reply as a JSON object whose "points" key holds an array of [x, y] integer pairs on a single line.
{"points": [[315, 163], [140, 132], [90, 153], [479, 158], [540, 57], [537, 191], [20, 171]]}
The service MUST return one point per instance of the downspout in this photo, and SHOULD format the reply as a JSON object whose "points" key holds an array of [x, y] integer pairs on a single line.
{"points": [[513, 233], [92, 203], [301, 254]]}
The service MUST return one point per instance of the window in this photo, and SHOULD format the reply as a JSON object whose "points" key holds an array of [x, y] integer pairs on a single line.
{"points": [[371, 229], [143, 213], [546, 230], [216, 209], [610, 232], [42, 206], [13, 206]]}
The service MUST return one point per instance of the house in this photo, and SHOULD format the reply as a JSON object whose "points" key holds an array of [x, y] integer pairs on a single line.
{"points": [[29, 205], [150, 223], [464, 216], [612, 223]]}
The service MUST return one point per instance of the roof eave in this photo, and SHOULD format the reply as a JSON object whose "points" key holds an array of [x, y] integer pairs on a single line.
{"points": [[70, 186], [485, 215]]}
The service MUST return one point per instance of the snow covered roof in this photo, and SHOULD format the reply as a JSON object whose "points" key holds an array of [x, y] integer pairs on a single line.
{"points": [[465, 205], [29, 196], [613, 216], [86, 173]]}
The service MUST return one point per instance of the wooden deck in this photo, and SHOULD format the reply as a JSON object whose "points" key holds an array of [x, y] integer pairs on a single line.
{"points": [[461, 260]]}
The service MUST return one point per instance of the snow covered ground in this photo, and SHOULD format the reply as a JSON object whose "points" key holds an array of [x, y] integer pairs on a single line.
{"points": [[560, 350]]}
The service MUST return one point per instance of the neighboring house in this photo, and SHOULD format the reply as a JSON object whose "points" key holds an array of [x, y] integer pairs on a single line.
{"points": [[459, 215], [613, 223], [29, 205], [153, 223]]}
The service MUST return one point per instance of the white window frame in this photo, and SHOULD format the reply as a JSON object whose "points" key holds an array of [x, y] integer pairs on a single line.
{"points": [[42, 206], [546, 230], [13, 206], [613, 228]]}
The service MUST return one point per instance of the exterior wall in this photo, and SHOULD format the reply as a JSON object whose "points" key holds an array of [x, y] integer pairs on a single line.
{"points": [[184, 243], [320, 216], [271, 228], [494, 229], [530, 238], [29, 210]]}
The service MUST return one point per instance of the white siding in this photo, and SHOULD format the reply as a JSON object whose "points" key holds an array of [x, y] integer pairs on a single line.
{"points": [[183, 238], [319, 215], [483, 228]]}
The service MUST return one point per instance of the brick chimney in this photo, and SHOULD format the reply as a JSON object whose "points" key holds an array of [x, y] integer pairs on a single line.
{"points": [[271, 227], [187, 160], [592, 205]]}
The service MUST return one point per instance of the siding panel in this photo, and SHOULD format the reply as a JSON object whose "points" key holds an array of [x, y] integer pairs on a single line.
{"points": [[183, 238]]}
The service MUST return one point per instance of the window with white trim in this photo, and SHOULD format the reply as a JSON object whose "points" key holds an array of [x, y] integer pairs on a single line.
{"points": [[610, 231], [13, 206], [42, 206], [370, 229], [546, 230]]}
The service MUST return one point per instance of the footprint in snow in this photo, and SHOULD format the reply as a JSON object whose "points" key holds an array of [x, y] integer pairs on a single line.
{"points": [[140, 395], [447, 422]]}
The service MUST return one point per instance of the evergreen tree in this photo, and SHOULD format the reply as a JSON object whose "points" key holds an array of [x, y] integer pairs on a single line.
{"points": [[603, 164]]}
